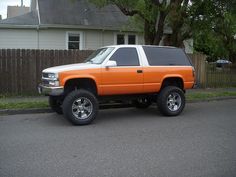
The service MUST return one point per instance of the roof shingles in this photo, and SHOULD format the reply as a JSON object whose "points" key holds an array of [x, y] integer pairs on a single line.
{"points": [[30, 18], [72, 13]]}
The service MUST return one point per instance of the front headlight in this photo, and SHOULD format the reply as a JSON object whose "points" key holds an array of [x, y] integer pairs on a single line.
{"points": [[53, 76], [50, 79]]}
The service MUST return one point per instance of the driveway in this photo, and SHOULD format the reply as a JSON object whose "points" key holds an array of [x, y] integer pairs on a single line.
{"points": [[201, 142]]}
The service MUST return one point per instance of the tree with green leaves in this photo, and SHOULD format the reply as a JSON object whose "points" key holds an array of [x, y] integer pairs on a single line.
{"points": [[156, 15], [211, 23], [152, 13], [215, 29]]}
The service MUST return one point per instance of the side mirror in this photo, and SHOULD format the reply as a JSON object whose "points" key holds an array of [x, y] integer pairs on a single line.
{"points": [[111, 63]]}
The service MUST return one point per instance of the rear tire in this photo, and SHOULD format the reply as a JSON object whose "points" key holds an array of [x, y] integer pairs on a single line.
{"points": [[80, 107], [171, 101], [55, 103]]}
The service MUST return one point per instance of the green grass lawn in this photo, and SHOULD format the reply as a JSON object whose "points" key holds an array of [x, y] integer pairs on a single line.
{"points": [[195, 96], [23, 105], [25, 102]]}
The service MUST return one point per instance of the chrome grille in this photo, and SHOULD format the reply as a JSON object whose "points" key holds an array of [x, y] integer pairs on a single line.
{"points": [[45, 75]]}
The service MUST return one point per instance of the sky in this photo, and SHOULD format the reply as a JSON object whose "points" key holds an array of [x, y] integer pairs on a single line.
{"points": [[5, 3]]}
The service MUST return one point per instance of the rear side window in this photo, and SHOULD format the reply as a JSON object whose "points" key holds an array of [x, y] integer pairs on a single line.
{"points": [[159, 56], [126, 57]]}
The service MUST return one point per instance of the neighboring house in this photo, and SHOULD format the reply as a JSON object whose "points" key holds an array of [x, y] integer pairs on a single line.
{"points": [[14, 11], [69, 24], [63, 24]]}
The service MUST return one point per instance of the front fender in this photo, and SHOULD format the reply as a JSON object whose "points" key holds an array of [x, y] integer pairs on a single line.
{"points": [[69, 77]]}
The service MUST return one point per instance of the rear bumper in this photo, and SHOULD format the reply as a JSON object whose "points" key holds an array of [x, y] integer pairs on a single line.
{"points": [[54, 91]]}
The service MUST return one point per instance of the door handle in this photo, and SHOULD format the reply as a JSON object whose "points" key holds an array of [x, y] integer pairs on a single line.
{"points": [[139, 71]]}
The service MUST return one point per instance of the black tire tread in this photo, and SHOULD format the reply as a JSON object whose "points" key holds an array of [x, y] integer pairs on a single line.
{"points": [[69, 100], [161, 100], [53, 103]]}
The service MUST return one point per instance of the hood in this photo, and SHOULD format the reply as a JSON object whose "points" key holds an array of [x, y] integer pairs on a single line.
{"points": [[79, 66]]}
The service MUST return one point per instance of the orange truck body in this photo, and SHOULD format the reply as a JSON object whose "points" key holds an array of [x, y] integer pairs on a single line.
{"points": [[117, 80]]}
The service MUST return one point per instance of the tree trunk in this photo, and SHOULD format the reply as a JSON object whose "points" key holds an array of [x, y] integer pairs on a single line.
{"points": [[232, 56], [148, 33], [160, 28], [230, 46]]}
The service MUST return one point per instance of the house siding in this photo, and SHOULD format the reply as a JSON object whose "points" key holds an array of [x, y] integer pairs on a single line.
{"points": [[92, 39], [55, 38], [52, 39], [108, 38], [18, 39], [140, 39]]}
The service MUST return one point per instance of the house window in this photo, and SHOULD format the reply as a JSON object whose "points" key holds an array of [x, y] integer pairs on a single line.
{"points": [[125, 39], [120, 39], [131, 39], [73, 41]]}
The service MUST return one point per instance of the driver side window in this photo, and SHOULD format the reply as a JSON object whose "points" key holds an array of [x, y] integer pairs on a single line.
{"points": [[126, 57]]}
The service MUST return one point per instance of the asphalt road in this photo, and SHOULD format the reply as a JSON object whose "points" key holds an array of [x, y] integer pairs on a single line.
{"points": [[122, 142]]}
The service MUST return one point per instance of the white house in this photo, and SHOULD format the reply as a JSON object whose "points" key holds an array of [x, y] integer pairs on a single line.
{"points": [[65, 24]]}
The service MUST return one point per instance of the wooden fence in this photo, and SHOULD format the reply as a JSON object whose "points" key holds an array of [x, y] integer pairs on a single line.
{"points": [[199, 63], [20, 69], [220, 76]]}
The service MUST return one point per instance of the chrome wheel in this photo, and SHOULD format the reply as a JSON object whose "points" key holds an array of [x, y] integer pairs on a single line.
{"points": [[174, 101], [82, 108]]}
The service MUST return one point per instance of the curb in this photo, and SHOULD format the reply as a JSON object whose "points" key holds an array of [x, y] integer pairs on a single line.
{"points": [[48, 110], [24, 111], [114, 106]]}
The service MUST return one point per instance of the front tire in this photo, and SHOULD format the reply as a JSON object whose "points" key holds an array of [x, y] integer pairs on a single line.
{"points": [[171, 101], [80, 107]]}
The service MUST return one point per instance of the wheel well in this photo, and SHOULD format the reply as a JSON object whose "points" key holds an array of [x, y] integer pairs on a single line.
{"points": [[173, 81], [81, 83]]}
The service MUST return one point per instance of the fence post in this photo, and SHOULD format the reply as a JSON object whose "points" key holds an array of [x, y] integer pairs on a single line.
{"points": [[199, 63], [203, 79]]}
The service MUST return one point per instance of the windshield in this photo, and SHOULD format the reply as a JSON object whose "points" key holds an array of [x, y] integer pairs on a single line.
{"points": [[99, 55]]}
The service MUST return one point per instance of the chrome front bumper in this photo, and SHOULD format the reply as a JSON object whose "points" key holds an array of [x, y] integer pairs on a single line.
{"points": [[54, 91]]}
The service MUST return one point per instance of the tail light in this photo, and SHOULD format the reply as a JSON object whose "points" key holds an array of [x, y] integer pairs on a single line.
{"points": [[193, 70]]}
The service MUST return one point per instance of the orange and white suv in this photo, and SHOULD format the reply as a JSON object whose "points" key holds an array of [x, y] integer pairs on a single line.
{"points": [[135, 73]]}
